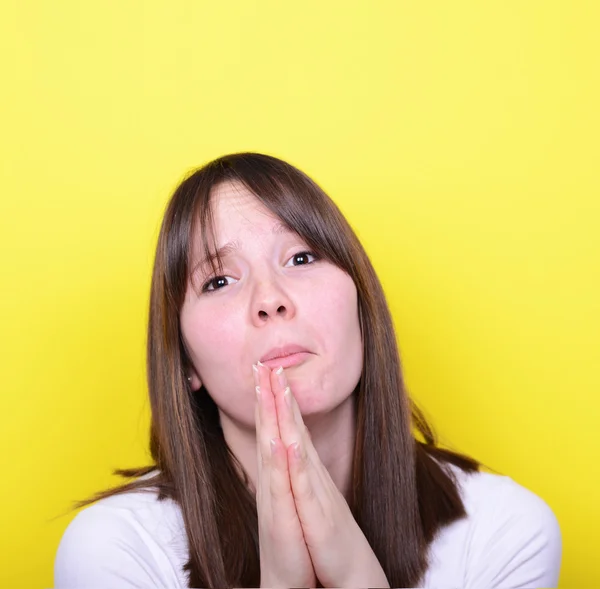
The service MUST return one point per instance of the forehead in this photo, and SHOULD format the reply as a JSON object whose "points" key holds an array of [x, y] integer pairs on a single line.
{"points": [[236, 208], [237, 216]]}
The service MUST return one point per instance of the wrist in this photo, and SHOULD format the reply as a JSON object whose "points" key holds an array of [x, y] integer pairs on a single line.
{"points": [[370, 575]]}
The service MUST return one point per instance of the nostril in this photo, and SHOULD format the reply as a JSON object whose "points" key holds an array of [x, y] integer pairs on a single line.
{"points": [[281, 310]]}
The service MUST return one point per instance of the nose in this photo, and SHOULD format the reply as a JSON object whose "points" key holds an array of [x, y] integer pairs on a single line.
{"points": [[271, 301]]}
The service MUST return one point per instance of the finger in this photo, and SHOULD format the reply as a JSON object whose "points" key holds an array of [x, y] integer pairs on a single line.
{"points": [[264, 433], [306, 441], [269, 427], [291, 425], [307, 488], [283, 508], [290, 428], [294, 431], [265, 464], [276, 500], [257, 426]]}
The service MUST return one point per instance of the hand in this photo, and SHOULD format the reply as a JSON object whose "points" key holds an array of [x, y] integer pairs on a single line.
{"points": [[340, 553], [284, 557]]}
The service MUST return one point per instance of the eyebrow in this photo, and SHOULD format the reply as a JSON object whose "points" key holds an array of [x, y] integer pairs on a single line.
{"points": [[232, 246]]}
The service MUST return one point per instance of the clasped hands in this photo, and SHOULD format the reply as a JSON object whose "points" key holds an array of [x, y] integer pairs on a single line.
{"points": [[306, 529]]}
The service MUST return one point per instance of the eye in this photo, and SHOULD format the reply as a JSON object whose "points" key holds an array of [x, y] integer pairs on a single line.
{"points": [[303, 258], [216, 283]]}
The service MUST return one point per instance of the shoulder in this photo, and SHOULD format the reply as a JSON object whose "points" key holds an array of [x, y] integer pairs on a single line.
{"points": [[510, 537], [127, 540], [499, 496]]}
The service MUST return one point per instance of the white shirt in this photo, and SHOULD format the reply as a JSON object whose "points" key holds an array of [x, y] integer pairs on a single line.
{"points": [[509, 539]]}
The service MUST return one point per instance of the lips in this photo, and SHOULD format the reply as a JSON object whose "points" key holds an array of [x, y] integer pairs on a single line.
{"points": [[285, 356]]}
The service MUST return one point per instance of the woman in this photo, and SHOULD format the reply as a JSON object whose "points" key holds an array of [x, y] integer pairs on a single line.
{"points": [[282, 435]]}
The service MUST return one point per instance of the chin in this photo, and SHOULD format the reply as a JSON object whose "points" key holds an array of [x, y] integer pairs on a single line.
{"points": [[311, 402]]}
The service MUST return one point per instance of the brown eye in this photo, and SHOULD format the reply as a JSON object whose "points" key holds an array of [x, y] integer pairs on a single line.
{"points": [[303, 258], [215, 283]]}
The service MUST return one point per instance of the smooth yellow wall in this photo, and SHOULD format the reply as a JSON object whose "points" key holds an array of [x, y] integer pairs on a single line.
{"points": [[461, 140]]}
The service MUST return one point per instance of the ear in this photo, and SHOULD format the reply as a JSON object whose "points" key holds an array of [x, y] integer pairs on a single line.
{"points": [[193, 380]]}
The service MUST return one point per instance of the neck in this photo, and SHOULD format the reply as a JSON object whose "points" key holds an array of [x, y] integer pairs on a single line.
{"points": [[333, 435]]}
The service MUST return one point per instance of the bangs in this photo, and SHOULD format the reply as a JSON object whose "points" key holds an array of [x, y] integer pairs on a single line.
{"points": [[291, 196], [291, 209], [203, 226]]}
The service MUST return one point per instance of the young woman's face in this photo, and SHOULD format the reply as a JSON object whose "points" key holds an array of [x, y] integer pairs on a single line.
{"points": [[274, 299]]}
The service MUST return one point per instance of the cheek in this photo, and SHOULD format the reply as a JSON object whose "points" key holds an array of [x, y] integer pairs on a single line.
{"points": [[337, 313], [215, 340], [336, 322]]}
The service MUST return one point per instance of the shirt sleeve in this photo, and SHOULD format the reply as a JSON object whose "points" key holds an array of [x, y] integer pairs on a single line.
{"points": [[102, 548], [518, 544]]}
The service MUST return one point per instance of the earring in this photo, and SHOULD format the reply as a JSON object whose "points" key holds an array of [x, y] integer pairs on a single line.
{"points": [[189, 379]]}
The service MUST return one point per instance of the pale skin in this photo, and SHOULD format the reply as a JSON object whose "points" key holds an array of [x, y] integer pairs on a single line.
{"points": [[306, 528], [272, 292]]}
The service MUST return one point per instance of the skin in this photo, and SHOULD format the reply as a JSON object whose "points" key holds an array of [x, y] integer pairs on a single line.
{"points": [[296, 447], [270, 296], [306, 529]]}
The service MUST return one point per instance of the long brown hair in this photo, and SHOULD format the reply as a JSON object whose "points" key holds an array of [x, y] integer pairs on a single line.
{"points": [[402, 492]]}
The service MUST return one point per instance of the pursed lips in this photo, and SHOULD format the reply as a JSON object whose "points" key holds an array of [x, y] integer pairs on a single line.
{"points": [[286, 356]]}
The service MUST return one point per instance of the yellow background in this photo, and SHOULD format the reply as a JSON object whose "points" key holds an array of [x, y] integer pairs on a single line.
{"points": [[460, 138]]}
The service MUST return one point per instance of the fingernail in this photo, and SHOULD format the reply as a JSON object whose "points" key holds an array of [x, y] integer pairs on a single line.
{"points": [[273, 447], [255, 372], [287, 395], [259, 363], [281, 376], [297, 453], [257, 390]]}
